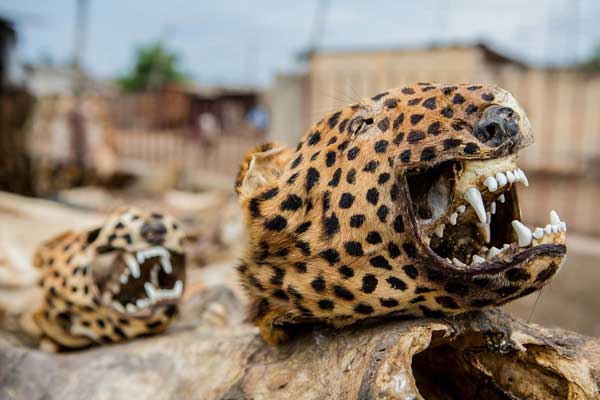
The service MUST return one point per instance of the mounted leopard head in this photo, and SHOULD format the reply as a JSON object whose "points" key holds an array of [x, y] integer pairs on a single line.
{"points": [[112, 283], [404, 204]]}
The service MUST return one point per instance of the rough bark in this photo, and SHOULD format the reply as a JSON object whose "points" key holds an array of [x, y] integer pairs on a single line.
{"points": [[212, 354]]}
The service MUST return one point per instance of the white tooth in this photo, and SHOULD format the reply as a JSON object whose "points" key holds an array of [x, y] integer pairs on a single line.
{"points": [[517, 175], [538, 233], [150, 290], [130, 307], [493, 207], [555, 228], [178, 288], [461, 209], [501, 179], [439, 231], [133, 265], [473, 196], [554, 218], [523, 233], [477, 259], [165, 261], [123, 278], [140, 257], [141, 303], [494, 251], [501, 198], [458, 263], [510, 176], [449, 261], [490, 183], [484, 229], [452, 218], [118, 306], [563, 226], [523, 177], [548, 229], [505, 246]]}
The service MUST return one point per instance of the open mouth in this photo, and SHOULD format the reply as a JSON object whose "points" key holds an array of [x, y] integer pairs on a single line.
{"points": [[468, 213], [139, 283]]}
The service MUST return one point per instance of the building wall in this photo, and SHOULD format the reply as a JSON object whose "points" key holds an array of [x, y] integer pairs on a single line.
{"points": [[288, 107]]}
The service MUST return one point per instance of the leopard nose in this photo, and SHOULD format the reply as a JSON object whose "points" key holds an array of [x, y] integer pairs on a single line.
{"points": [[498, 125], [154, 232]]}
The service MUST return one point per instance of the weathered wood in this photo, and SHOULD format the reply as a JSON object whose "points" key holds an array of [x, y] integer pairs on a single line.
{"points": [[212, 354]]}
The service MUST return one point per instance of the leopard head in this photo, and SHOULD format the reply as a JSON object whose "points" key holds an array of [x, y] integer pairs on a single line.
{"points": [[112, 283], [404, 204]]}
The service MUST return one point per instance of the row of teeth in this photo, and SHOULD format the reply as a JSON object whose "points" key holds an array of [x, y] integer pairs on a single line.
{"points": [[525, 238], [493, 183], [155, 295]]}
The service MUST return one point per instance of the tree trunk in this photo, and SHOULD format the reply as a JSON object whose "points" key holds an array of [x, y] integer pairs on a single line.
{"points": [[212, 354]]}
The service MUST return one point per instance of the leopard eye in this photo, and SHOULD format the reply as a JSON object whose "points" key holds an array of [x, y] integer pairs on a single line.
{"points": [[360, 125]]}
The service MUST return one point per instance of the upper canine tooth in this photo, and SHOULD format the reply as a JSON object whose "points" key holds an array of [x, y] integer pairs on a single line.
{"points": [[140, 256], [523, 233], [523, 177], [554, 218], [538, 233], [501, 179], [490, 183], [510, 176], [473, 196], [165, 262], [133, 265]]}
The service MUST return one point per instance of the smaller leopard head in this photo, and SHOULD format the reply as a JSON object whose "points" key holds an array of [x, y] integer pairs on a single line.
{"points": [[112, 283]]}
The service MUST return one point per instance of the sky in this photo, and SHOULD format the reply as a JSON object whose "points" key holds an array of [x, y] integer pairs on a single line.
{"points": [[231, 42]]}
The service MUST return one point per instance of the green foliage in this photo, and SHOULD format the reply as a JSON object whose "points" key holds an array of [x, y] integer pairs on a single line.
{"points": [[154, 67], [593, 63]]}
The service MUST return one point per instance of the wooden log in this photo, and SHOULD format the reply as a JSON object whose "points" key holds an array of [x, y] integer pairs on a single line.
{"points": [[211, 353]]}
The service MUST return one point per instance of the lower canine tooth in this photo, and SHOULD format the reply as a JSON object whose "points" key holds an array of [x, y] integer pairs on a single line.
{"points": [[554, 218], [523, 233], [473, 196]]}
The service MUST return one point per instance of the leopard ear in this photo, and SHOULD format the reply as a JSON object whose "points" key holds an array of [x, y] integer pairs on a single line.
{"points": [[262, 164]]}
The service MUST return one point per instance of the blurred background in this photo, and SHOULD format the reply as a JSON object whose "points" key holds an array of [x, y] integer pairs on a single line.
{"points": [[155, 103]]}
